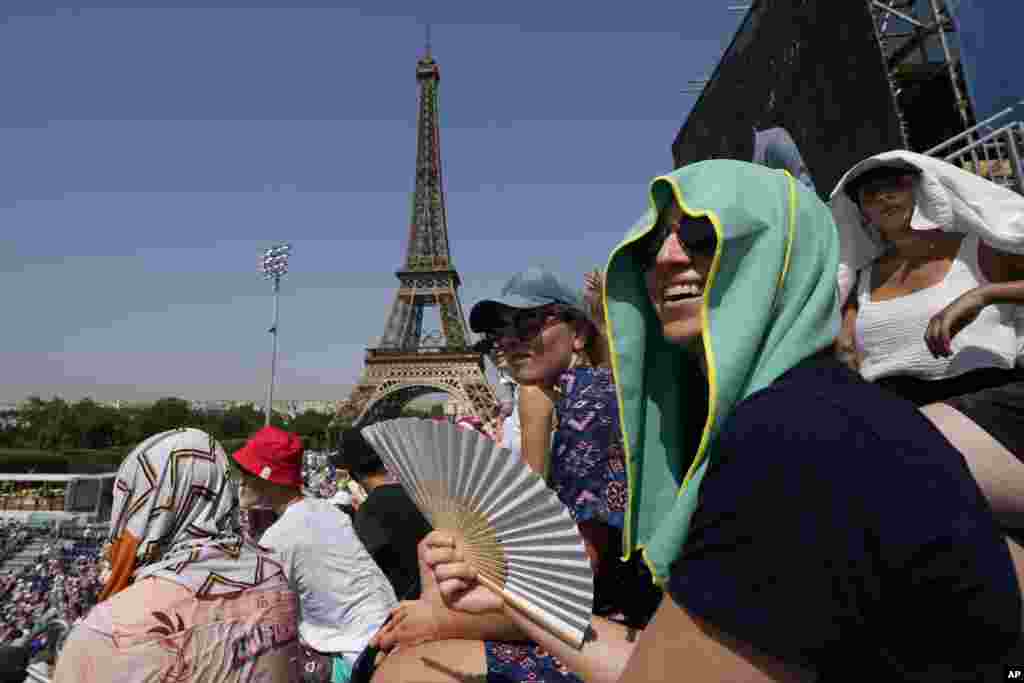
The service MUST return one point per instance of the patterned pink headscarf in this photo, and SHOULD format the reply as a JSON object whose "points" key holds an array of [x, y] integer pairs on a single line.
{"points": [[174, 497]]}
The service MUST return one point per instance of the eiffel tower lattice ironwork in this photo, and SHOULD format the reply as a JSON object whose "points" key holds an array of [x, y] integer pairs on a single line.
{"points": [[410, 362]]}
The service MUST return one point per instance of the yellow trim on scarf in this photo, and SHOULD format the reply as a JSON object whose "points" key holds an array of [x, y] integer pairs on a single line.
{"points": [[705, 334], [630, 473], [790, 235], [709, 357], [627, 531]]}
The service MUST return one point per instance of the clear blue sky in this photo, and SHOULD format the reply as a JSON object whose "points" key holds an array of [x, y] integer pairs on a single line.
{"points": [[150, 153]]}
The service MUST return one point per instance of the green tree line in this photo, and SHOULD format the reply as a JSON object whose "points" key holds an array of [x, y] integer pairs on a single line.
{"points": [[57, 425]]}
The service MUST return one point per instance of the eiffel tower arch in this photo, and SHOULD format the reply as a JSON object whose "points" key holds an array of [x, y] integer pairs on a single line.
{"points": [[408, 361]]}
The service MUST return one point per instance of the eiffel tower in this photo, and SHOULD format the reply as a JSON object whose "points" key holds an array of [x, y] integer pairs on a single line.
{"points": [[409, 362]]}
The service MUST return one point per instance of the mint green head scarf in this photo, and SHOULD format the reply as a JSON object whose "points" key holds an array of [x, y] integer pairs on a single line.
{"points": [[770, 301]]}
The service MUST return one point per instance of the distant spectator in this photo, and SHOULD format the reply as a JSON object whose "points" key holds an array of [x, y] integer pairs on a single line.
{"points": [[503, 417], [13, 662], [343, 596], [343, 501], [776, 149], [593, 297], [388, 522], [511, 428]]}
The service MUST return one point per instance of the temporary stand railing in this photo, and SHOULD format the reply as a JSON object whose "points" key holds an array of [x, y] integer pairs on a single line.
{"points": [[993, 153]]}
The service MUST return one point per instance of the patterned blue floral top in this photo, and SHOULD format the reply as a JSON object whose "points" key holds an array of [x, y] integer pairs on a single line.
{"points": [[587, 468], [587, 471]]}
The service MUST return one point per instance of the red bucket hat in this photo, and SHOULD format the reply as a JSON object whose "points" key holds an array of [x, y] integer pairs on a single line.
{"points": [[274, 455]]}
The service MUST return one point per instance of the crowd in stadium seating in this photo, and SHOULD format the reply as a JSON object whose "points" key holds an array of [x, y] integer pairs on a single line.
{"points": [[60, 583], [13, 537]]}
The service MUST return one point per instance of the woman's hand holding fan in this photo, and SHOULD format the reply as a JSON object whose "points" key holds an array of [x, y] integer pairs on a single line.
{"points": [[422, 621], [506, 533], [456, 579]]}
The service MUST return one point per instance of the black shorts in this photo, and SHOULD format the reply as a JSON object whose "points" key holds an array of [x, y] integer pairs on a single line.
{"points": [[999, 411], [991, 398]]}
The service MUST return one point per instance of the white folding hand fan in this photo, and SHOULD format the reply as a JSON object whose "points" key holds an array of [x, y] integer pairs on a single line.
{"points": [[517, 534]]}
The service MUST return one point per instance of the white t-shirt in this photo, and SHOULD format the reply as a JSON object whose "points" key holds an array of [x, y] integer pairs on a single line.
{"points": [[344, 597]]}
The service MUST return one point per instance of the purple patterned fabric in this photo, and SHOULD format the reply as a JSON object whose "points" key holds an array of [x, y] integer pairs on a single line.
{"points": [[587, 468], [588, 473], [524, 663]]}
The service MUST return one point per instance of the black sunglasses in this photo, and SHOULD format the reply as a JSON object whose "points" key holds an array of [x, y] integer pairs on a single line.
{"points": [[523, 325], [698, 241]]}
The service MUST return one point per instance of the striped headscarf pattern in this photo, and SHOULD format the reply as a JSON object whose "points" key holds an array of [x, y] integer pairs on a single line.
{"points": [[174, 498]]}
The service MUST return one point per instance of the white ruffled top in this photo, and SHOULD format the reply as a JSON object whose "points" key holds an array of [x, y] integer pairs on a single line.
{"points": [[890, 334]]}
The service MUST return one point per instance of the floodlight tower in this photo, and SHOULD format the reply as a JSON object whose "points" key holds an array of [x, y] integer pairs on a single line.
{"points": [[275, 266]]}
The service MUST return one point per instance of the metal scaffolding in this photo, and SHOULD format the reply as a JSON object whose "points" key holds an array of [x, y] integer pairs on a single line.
{"points": [[920, 48], [917, 40]]}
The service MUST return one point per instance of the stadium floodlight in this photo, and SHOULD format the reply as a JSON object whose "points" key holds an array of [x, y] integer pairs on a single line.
{"points": [[275, 261], [274, 266], [695, 86]]}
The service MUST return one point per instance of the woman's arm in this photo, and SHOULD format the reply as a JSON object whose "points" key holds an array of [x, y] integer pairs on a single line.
{"points": [[1005, 273], [846, 342], [425, 620], [674, 642], [605, 650], [430, 618], [536, 417]]}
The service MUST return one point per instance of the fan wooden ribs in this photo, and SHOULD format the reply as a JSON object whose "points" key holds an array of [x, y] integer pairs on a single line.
{"points": [[509, 525], [476, 538]]}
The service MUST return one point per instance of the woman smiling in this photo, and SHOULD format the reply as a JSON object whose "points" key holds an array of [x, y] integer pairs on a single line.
{"points": [[804, 523]]}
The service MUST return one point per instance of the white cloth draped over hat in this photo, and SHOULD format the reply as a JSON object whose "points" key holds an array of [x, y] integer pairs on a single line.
{"points": [[946, 198]]}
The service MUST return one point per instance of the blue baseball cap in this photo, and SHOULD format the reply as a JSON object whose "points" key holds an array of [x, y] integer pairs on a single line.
{"points": [[529, 289]]}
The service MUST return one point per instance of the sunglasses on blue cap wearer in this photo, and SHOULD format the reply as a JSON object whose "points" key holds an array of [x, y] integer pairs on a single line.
{"points": [[515, 312], [525, 324]]}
